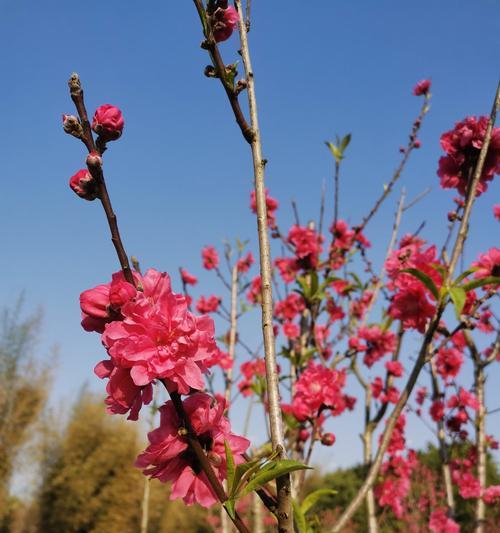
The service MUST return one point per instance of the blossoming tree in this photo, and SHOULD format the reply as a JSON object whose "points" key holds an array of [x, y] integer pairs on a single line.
{"points": [[337, 321]]}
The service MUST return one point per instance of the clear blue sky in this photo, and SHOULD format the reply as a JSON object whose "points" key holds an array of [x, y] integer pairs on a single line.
{"points": [[180, 177]]}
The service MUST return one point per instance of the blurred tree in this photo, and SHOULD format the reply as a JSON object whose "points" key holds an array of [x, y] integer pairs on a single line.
{"points": [[23, 391]]}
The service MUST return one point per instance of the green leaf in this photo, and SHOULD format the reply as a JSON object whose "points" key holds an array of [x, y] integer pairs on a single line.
{"points": [[490, 280], [337, 154], [425, 279], [312, 499], [299, 518], [241, 470], [230, 506], [465, 274], [229, 466], [357, 279], [345, 142], [270, 471], [458, 296]]}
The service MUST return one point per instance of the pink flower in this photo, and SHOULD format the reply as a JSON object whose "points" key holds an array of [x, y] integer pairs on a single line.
{"points": [[488, 264], [287, 268], [422, 87], [462, 146], [307, 245], [121, 292], [108, 122], [169, 457], [291, 330], [208, 305], [251, 370], [335, 312], [437, 410], [492, 495], [496, 211], [159, 338], [421, 395], [377, 387], [449, 361], [243, 265], [410, 305], [254, 294], [343, 237], [463, 399], [395, 368], [83, 184], [210, 258], [123, 395], [468, 485], [441, 523], [187, 278], [271, 206], [220, 358], [316, 389], [224, 22], [290, 307], [378, 343]]}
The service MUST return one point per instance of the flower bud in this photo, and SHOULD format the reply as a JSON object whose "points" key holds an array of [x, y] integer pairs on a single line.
{"points": [[224, 22], [95, 302], [120, 293], [303, 435], [94, 160], [84, 185], [328, 439], [108, 122], [72, 126]]}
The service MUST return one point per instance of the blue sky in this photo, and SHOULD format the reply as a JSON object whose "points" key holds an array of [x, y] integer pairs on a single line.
{"points": [[180, 176]]}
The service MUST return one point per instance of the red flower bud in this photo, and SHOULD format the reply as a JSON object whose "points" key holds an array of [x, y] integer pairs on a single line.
{"points": [[84, 185], [417, 143], [303, 435], [328, 439], [94, 302], [224, 22], [108, 122]]}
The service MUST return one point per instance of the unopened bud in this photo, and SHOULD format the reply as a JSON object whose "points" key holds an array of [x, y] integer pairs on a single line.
{"points": [[241, 85], [84, 185], [303, 435], [210, 72], [72, 126], [94, 160], [108, 122], [328, 439]]}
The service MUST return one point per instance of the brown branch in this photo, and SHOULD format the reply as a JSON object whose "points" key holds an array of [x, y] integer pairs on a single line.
{"points": [[397, 174], [76, 93]]}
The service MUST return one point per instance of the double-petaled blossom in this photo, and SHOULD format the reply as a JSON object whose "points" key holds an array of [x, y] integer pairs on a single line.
{"points": [[220, 358], [307, 245], [335, 312], [394, 368], [159, 338], [318, 388], [210, 258], [208, 305], [224, 21], [468, 485], [496, 211], [378, 343], [244, 263], [290, 307], [488, 264], [108, 122], [84, 185], [436, 410], [291, 330], [462, 146], [449, 362], [491, 495], [422, 87], [169, 457], [343, 236], [271, 207], [440, 522], [411, 306], [287, 267]]}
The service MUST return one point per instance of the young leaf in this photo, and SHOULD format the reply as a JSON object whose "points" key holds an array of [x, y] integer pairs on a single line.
{"points": [[299, 518], [425, 279], [458, 296], [312, 499], [465, 274], [271, 471], [490, 280], [229, 466], [241, 470], [337, 154], [345, 143], [230, 506]]}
